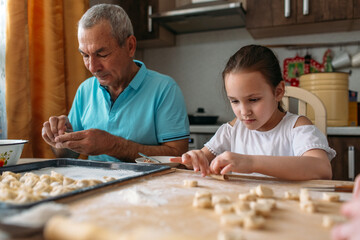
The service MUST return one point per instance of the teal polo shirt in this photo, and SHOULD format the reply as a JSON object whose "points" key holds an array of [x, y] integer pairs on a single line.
{"points": [[150, 111]]}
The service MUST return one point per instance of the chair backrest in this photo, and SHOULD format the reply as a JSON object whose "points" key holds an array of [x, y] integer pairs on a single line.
{"points": [[305, 97]]}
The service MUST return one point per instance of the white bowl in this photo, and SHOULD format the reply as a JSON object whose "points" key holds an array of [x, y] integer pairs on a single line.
{"points": [[165, 160], [10, 151]]}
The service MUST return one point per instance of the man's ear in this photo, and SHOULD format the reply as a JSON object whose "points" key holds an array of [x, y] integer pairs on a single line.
{"points": [[280, 91], [131, 45]]}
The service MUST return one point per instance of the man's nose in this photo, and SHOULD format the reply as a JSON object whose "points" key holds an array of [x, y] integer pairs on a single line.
{"points": [[94, 65]]}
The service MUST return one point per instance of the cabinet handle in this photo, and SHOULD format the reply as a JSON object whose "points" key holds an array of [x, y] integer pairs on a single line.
{"points": [[149, 18], [287, 8], [351, 162], [305, 7]]}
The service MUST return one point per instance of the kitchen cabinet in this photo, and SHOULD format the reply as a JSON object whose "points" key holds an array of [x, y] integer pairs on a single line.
{"points": [[266, 18], [340, 164], [147, 33]]}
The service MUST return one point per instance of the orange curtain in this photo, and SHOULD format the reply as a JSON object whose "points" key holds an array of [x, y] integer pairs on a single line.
{"points": [[43, 66]]}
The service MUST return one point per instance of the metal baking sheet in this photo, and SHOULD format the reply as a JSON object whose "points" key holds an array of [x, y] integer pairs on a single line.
{"points": [[138, 169]]}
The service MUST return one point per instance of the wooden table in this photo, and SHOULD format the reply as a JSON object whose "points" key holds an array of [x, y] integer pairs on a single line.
{"points": [[161, 206]]}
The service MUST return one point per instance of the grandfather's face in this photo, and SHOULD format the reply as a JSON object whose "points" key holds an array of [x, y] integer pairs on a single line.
{"points": [[102, 55]]}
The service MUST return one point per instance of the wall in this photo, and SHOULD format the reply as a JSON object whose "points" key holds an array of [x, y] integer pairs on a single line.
{"points": [[197, 60]]}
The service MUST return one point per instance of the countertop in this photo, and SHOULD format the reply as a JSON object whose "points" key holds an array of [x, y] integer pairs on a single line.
{"points": [[160, 207], [331, 131]]}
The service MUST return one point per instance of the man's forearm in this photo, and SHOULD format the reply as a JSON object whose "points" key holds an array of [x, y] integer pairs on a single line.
{"points": [[128, 151]]}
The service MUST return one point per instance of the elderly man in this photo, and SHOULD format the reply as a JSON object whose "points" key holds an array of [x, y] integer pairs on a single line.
{"points": [[124, 108]]}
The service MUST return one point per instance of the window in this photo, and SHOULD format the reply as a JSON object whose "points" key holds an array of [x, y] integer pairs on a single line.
{"points": [[2, 69]]}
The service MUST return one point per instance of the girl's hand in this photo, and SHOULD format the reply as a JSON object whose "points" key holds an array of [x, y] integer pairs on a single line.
{"points": [[231, 162], [196, 160]]}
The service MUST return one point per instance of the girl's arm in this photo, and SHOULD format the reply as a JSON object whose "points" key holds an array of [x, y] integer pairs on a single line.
{"points": [[313, 164]]}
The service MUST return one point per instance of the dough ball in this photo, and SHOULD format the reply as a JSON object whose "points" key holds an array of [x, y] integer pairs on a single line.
{"points": [[42, 187], [9, 173], [7, 194], [234, 234], [223, 208], [261, 208], [331, 197], [28, 175], [288, 195], [264, 192], [190, 183], [267, 201], [8, 179], [304, 195], [93, 182], [58, 176], [231, 220], [308, 206], [109, 179], [254, 222], [82, 183], [220, 199], [329, 221], [68, 181], [247, 197], [45, 178], [203, 202], [202, 194], [31, 181], [241, 206]]}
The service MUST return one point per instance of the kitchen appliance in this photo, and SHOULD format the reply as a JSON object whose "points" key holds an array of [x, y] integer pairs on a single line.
{"points": [[205, 16], [201, 134], [200, 117]]}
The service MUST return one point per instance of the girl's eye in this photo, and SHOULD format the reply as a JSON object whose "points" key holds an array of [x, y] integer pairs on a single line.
{"points": [[253, 99], [234, 101]]}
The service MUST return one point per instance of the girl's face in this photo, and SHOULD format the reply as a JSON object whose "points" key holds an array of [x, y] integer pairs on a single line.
{"points": [[253, 100]]}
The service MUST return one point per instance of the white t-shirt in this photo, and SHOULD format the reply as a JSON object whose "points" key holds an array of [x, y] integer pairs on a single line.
{"points": [[282, 140]]}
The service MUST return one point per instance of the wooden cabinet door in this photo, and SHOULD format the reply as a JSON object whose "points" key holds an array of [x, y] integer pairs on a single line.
{"points": [[278, 9], [259, 13], [325, 10], [340, 164], [356, 10]]}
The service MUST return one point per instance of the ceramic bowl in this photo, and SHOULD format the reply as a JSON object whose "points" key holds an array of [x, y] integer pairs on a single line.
{"points": [[165, 160], [10, 151]]}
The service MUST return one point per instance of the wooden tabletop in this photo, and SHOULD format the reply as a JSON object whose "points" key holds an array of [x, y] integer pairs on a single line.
{"points": [[162, 206]]}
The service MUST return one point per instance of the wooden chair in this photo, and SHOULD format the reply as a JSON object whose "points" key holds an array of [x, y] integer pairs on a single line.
{"points": [[305, 97]]}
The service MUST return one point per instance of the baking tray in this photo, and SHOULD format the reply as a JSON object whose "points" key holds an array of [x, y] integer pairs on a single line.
{"points": [[139, 169]]}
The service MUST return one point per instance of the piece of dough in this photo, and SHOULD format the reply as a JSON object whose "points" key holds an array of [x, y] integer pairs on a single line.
{"points": [[190, 183], [57, 176], [68, 181], [308, 206], [203, 193], [231, 220], [264, 192], [233, 234], [247, 197], [220, 199], [254, 222], [82, 183], [304, 195], [8, 173], [8, 179], [203, 202], [291, 195], [42, 187], [241, 206], [268, 201], [331, 197], [109, 179], [262, 209], [45, 178], [223, 208], [328, 221], [31, 181]]}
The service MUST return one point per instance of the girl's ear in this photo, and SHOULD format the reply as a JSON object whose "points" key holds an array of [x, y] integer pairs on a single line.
{"points": [[280, 91]]}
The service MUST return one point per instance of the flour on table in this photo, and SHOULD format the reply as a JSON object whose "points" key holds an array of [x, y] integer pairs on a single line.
{"points": [[142, 196]]}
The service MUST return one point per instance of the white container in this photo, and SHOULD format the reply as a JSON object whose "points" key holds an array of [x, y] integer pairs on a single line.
{"points": [[10, 151]]}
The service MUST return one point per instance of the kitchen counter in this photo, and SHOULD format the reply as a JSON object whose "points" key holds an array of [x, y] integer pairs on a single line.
{"points": [[343, 131], [332, 131], [160, 207]]}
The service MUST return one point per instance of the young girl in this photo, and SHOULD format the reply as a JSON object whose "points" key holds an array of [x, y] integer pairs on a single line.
{"points": [[263, 138]]}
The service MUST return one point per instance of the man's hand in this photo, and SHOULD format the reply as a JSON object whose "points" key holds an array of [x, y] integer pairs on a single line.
{"points": [[56, 126], [87, 142]]}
